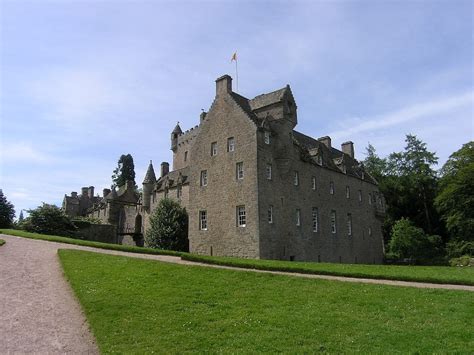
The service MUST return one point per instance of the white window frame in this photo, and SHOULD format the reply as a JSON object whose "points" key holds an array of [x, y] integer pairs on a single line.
{"points": [[313, 182], [203, 177], [270, 214], [266, 138], [296, 180], [213, 149], [239, 170], [331, 187], [269, 171], [315, 218], [349, 225], [298, 217], [230, 144], [241, 216], [333, 219], [203, 220]]}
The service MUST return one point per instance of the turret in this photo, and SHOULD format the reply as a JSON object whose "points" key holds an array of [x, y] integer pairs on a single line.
{"points": [[174, 137], [148, 184]]}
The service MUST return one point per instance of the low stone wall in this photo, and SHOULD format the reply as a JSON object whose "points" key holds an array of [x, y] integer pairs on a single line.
{"points": [[104, 233]]}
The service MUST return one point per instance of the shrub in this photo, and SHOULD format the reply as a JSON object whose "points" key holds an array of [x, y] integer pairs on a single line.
{"points": [[48, 219], [459, 248], [168, 227], [410, 242]]}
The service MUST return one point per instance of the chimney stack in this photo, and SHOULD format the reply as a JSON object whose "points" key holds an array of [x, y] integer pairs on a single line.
{"points": [[105, 192], [326, 140], [348, 148], [74, 194], [91, 191], [165, 168], [85, 191], [202, 116], [223, 85]]}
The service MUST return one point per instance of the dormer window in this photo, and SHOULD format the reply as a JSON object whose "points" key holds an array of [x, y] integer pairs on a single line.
{"points": [[267, 137]]}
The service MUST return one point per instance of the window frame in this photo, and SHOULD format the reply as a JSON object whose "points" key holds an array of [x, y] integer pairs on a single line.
{"points": [[333, 220], [203, 226], [266, 137], [298, 217], [296, 178], [241, 216], [349, 225], [315, 219], [313, 183], [268, 171], [230, 144], [239, 170], [270, 214], [203, 178], [348, 192], [213, 149], [332, 190]]}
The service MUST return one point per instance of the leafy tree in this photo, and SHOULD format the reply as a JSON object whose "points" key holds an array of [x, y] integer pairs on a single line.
{"points": [[408, 241], [7, 211], [168, 227], [375, 165], [48, 219], [124, 172], [411, 184], [455, 201]]}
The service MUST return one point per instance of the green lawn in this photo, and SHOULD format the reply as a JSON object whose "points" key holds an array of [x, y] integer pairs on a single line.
{"points": [[2, 242], [55, 238], [434, 274], [141, 306]]}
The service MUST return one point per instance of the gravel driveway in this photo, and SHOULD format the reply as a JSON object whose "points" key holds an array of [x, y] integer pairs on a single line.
{"points": [[39, 312]]}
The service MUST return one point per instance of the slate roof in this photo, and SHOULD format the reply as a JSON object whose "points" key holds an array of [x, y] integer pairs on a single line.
{"points": [[150, 176], [173, 177], [268, 99]]}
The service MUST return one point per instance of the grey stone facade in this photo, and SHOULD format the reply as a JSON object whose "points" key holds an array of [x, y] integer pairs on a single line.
{"points": [[255, 187]]}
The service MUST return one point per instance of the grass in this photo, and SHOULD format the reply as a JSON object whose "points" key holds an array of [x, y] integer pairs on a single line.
{"points": [[87, 243], [143, 306], [2, 242], [433, 274]]}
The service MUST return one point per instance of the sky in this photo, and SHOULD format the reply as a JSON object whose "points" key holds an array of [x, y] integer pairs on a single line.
{"points": [[82, 82]]}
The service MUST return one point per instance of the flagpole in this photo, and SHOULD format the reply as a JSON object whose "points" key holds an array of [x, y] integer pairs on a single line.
{"points": [[237, 75]]}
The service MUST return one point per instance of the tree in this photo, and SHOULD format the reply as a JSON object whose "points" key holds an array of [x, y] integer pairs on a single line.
{"points": [[7, 211], [455, 201], [375, 165], [410, 242], [48, 219], [124, 172], [413, 184], [168, 227]]}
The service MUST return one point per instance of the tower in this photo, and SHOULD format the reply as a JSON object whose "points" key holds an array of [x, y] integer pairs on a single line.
{"points": [[174, 137], [148, 184]]}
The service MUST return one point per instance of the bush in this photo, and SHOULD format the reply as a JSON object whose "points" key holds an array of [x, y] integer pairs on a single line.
{"points": [[459, 248], [48, 219], [410, 242], [465, 260], [168, 227]]}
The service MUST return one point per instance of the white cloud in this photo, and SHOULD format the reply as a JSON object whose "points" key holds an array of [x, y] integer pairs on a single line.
{"points": [[411, 113], [24, 152]]}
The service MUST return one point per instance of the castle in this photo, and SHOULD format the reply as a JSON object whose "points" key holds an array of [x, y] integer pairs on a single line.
{"points": [[254, 187]]}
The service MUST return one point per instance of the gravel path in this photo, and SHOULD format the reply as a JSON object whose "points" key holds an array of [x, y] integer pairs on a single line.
{"points": [[39, 312]]}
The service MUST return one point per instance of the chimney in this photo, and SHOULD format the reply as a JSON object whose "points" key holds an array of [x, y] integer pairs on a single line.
{"points": [[223, 85], [105, 192], [85, 191], [91, 191], [348, 148], [74, 194], [326, 141], [165, 168]]}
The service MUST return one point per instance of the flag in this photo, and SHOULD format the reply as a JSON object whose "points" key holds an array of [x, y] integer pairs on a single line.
{"points": [[234, 57]]}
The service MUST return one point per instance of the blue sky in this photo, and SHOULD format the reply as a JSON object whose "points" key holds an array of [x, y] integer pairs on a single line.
{"points": [[83, 82]]}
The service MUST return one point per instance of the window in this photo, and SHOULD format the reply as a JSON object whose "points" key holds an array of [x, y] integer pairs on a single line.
{"points": [[204, 178], [331, 188], [241, 217], [315, 219], [370, 231], [230, 144], [270, 214], [360, 195], [319, 160], [333, 222], [269, 171], [370, 198], [348, 192], [178, 192], [298, 218], [349, 224], [363, 175], [296, 180], [267, 137], [213, 149], [203, 220], [239, 171], [313, 183], [186, 156]]}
